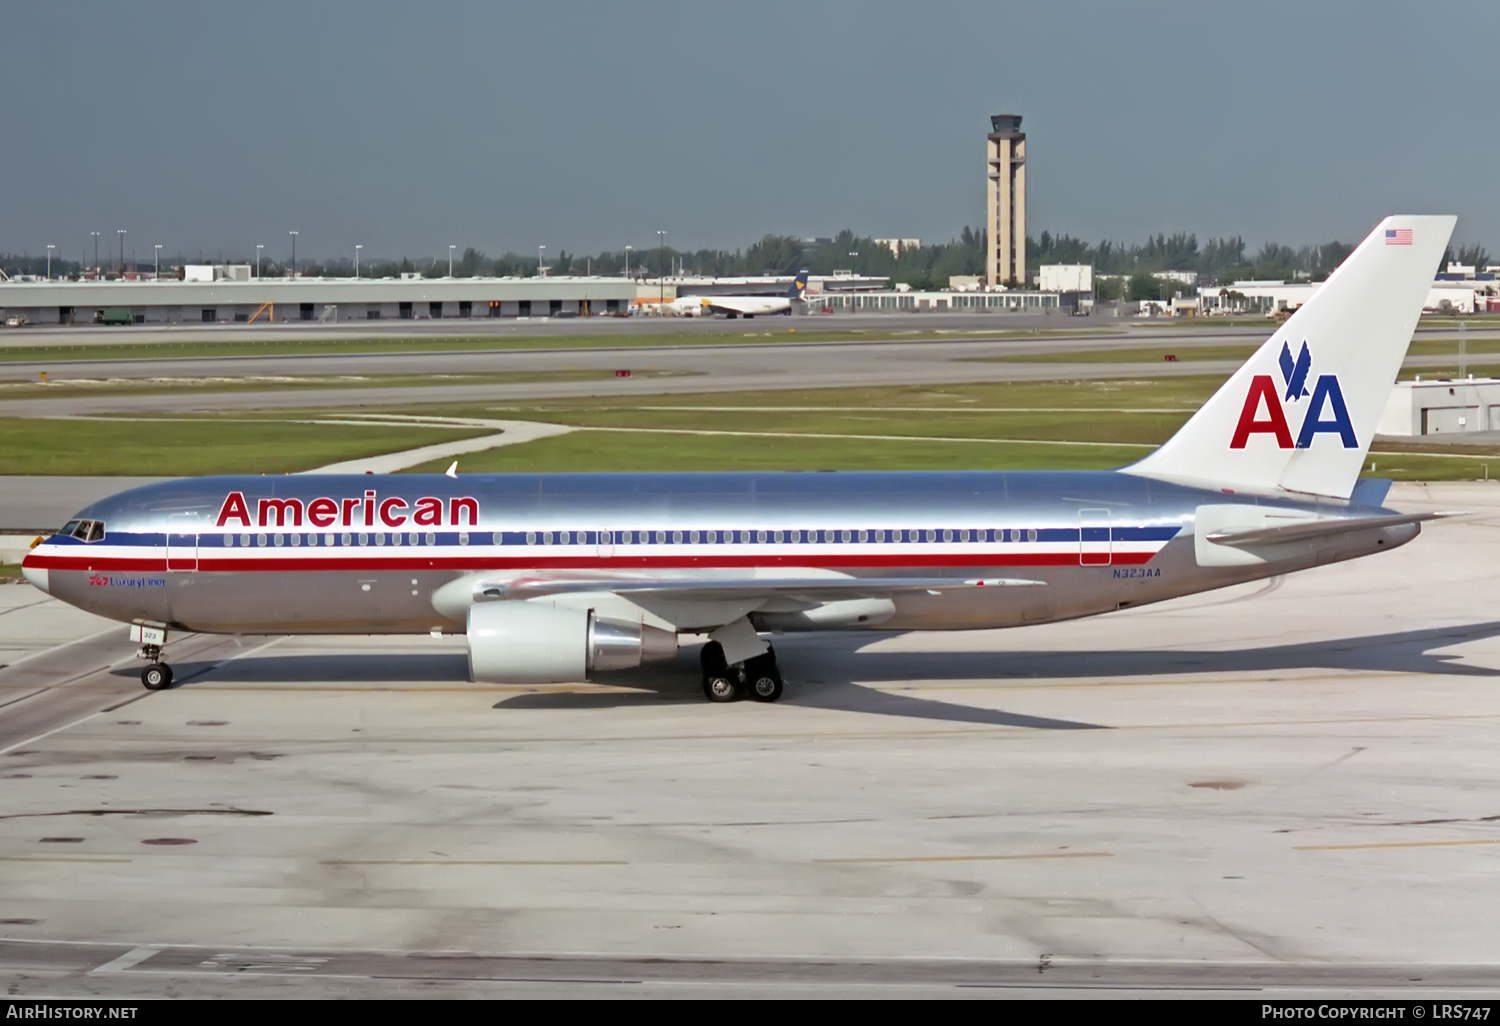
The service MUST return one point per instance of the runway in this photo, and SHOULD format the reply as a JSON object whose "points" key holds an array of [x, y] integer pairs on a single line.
{"points": [[693, 370], [1283, 788], [760, 363]]}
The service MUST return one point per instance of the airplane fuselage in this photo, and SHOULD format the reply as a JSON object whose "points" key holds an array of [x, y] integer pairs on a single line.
{"points": [[367, 554]]}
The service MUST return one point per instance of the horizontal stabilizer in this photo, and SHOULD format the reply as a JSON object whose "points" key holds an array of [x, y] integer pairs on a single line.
{"points": [[1318, 529]]}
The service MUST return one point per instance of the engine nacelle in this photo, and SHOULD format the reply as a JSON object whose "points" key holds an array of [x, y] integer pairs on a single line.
{"points": [[541, 643]]}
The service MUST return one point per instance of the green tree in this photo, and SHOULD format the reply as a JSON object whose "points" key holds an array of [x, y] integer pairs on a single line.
{"points": [[1143, 286]]}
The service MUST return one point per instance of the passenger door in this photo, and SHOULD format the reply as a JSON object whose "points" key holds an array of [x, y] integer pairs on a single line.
{"points": [[1095, 547], [182, 542]]}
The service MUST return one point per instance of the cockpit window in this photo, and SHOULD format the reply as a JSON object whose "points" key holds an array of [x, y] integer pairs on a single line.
{"points": [[85, 530]]}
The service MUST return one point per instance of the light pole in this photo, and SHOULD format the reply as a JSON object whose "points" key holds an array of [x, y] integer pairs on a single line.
{"points": [[294, 253], [541, 269], [50, 248], [121, 233], [451, 248], [258, 247], [661, 281], [357, 248], [156, 272], [627, 260], [96, 253]]}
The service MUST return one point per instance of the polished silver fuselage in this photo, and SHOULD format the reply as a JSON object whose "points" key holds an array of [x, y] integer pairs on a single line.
{"points": [[1095, 542]]}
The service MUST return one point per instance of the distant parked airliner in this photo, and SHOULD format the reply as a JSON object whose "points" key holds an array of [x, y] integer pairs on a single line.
{"points": [[743, 306]]}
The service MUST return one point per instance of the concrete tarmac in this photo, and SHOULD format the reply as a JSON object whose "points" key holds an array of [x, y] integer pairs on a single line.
{"points": [[757, 363], [1283, 789]]}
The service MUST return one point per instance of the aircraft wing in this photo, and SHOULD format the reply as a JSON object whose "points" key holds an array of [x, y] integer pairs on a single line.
{"points": [[1318, 528], [815, 589]]}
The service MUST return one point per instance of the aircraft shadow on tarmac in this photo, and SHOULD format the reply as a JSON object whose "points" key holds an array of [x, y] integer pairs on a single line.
{"points": [[1400, 652], [293, 670], [827, 671], [679, 681]]}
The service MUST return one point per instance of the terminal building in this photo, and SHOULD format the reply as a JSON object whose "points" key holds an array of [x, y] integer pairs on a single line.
{"points": [[234, 298]]}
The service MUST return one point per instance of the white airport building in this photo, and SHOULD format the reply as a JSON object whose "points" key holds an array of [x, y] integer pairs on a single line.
{"points": [[1448, 294], [1441, 407], [230, 295]]}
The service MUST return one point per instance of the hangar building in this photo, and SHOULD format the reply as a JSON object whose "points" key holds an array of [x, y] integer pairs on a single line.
{"points": [[228, 301]]}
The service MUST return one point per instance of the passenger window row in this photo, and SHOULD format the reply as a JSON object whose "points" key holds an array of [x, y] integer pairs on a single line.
{"points": [[759, 537], [568, 538], [347, 539]]}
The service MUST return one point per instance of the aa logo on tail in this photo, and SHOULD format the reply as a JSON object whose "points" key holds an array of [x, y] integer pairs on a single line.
{"points": [[1324, 413]]}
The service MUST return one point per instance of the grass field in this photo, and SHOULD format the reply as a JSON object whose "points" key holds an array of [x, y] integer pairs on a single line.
{"points": [[271, 346], [1016, 426], [980, 425], [204, 445], [586, 451]]}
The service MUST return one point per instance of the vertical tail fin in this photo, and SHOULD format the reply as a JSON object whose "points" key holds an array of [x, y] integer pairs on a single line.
{"points": [[1300, 414], [798, 287]]}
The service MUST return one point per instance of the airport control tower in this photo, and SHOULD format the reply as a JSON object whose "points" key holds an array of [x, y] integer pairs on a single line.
{"points": [[1005, 196]]}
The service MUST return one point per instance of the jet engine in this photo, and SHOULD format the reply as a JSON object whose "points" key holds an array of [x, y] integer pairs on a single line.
{"points": [[513, 642]]}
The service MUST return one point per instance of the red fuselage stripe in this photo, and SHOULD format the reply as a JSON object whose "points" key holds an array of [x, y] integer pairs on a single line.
{"points": [[362, 563]]}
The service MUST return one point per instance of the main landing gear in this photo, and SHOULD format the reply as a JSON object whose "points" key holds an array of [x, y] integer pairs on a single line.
{"points": [[758, 678]]}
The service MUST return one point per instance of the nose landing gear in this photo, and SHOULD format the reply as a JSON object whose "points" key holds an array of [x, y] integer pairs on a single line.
{"points": [[158, 675]]}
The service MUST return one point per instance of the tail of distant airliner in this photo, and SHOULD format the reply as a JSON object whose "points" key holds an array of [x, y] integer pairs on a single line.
{"points": [[798, 287], [1300, 414]]}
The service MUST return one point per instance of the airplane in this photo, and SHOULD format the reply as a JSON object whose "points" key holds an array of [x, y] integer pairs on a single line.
{"points": [[742, 306], [559, 577]]}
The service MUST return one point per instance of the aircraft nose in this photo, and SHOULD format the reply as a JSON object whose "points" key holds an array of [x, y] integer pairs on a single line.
{"points": [[36, 575]]}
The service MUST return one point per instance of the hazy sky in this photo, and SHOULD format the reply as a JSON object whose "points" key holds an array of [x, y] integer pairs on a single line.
{"points": [[586, 126]]}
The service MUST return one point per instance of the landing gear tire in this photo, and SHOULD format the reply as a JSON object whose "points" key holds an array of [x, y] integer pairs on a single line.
{"points": [[157, 677], [720, 683], [721, 687], [763, 677]]}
